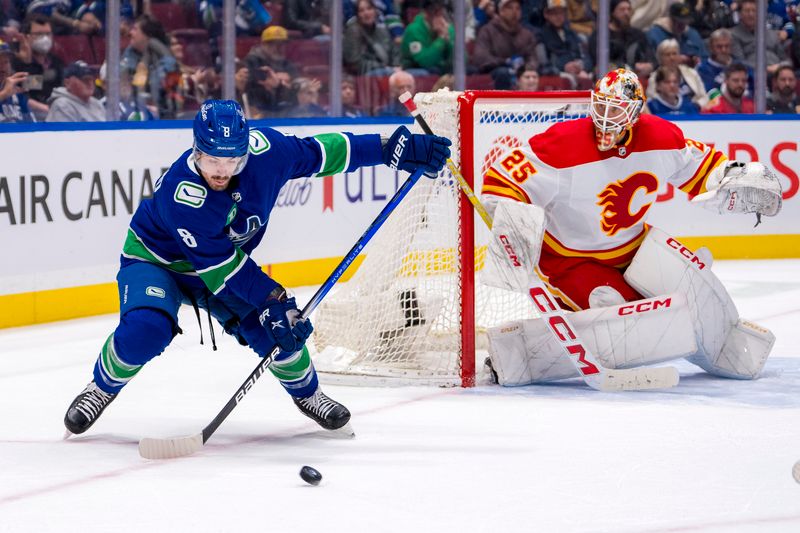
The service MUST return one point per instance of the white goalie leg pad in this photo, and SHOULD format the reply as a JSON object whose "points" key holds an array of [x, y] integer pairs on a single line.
{"points": [[663, 265], [517, 230], [629, 335]]}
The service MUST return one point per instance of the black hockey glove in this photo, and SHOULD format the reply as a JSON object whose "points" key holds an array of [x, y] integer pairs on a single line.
{"points": [[281, 318], [407, 151]]}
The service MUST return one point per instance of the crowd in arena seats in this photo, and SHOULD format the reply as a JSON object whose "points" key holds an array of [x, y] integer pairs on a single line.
{"points": [[693, 56]]}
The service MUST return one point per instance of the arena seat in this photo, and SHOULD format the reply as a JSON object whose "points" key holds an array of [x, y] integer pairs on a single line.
{"points": [[308, 52], [196, 48], [171, 15]]}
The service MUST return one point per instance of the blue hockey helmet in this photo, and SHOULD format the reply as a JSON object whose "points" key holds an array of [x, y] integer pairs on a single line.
{"points": [[220, 129]]}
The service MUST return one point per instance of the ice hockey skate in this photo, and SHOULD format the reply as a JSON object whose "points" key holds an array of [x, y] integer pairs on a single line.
{"points": [[86, 408], [326, 412]]}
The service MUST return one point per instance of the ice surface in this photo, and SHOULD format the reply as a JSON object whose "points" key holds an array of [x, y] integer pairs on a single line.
{"points": [[711, 455]]}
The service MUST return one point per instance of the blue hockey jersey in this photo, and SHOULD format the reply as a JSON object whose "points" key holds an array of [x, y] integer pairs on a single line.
{"points": [[204, 236]]}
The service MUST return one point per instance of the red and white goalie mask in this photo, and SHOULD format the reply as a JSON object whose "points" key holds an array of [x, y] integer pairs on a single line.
{"points": [[617, 100]]}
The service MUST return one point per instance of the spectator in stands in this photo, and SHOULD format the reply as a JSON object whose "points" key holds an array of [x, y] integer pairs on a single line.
{"points": [[711, 69], [709, 16], [783, 98], [60, 14], [690, 84], [306, 98], [667, 98], [676, 26], [732, 98], [386, 14], [627, 47], [399, 82], [781, 15], [582, 15], [251, 17], [368, 47], [310, 17], [132, 107], [349, 107], [268, 89], [92, 13], [559, 50], [483, 11], [148, 61], [744, 40], [35, 56], [794, 50], [13, 100], [527, 78], [74, 102], [645, 12], [428, 41], [504, 45]]}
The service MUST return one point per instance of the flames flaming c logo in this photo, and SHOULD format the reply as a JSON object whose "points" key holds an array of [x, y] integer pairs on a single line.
{"points": [[616, 202]]}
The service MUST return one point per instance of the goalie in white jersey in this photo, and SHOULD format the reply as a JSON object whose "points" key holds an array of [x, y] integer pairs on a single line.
{"points": [[597, 178]]}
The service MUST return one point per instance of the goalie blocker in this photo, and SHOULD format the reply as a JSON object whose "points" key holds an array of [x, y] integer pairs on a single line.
{"points": [[688, 313]]}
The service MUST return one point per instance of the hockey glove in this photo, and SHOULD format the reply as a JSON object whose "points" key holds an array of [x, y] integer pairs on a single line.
{"points": [[281, 318], [407, 151]]}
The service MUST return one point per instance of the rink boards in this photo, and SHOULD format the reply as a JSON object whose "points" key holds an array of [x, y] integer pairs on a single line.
{"points": [[66, 197]]}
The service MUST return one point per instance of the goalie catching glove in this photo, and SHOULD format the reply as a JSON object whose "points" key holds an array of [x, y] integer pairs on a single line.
{"points": [[740, 187], [407, 151], [281, 318]]}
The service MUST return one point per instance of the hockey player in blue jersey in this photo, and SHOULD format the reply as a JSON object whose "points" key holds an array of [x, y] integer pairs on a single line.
{"points": [[190, 244]]}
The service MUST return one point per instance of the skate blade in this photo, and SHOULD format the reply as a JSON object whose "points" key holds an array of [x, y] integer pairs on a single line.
{"points": [[346, 432]]}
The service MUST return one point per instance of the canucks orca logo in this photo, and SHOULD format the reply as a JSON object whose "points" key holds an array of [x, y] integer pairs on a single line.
{"points": [[253, 225]]}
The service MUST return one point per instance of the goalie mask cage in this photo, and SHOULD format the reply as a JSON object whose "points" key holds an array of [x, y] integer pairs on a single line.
{"points": [[416, 311]]}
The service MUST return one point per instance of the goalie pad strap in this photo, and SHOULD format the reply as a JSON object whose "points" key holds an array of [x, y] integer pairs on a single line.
{"points": [[629, 335]]}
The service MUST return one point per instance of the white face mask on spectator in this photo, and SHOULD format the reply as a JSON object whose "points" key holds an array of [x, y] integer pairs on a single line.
{"points": [[42, 44]]}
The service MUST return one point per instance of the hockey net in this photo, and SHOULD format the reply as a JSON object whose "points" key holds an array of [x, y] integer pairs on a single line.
{"points": [[416, 311]]}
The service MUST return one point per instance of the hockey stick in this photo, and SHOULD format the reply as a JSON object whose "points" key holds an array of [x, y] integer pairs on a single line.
{"points": [[591, 370], [168, 448]]}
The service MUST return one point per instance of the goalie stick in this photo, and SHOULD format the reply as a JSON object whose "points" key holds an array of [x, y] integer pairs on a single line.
{"points": [[169, 448], [593, 373]]}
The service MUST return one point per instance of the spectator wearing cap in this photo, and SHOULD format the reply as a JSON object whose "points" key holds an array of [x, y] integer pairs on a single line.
{"points": [[427, 46], [74, 101], [309, 17], [666, 98], [368, 47], [504, 44], [783, 98], [676, 26], [627, 46], [268, 89], [690, 85], [35, 56], [559, 50], [148, 61], [744, 40], [732, 98], [13, 100]]}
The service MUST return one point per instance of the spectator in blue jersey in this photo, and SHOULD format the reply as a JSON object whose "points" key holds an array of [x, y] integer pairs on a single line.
{"points": [[667, 99], [676, 26], [190, 243], [13, 97], [93, 13]]}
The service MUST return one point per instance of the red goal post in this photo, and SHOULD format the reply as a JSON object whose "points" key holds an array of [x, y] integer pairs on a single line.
{"points": [[416, 311]]}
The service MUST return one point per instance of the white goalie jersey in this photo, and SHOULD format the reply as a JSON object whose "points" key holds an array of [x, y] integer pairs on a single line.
{"points": [[597, 202]]}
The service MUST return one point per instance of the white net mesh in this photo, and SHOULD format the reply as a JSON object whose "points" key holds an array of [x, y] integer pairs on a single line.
{"points": [[398, 321]]}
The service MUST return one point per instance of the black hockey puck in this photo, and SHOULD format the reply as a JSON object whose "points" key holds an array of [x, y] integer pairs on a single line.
{"points": [[310, 475]]}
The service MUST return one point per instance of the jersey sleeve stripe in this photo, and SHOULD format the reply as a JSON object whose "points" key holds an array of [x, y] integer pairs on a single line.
{"points": [[697, 183], [135, 248], [215, 276], [336, 153], [494, 183]]}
